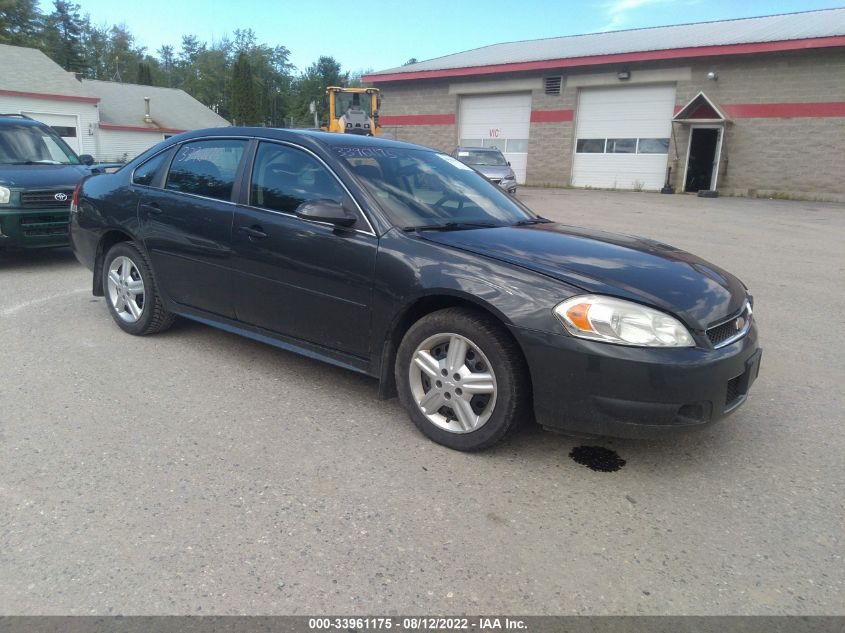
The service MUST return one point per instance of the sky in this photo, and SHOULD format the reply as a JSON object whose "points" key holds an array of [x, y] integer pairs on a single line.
{"points": [[375, 35]]}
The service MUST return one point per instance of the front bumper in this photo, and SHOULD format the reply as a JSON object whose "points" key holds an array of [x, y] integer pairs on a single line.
{"points": [[507, 185], [592, 388], [34, 228]]}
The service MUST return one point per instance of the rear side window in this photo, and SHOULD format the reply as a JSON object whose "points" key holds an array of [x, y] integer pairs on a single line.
{"points": [[284, 177], [146, 172], [206, 168]]}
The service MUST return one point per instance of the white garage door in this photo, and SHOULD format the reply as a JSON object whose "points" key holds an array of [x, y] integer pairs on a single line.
{"points": [[499, 121], [65, 125], [622, 137]]}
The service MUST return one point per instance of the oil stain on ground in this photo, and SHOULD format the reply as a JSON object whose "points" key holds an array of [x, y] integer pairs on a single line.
{"points": [[597, 458]]}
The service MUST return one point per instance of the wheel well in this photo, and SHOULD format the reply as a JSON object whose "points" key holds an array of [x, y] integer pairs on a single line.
{"points": [[412, 314], [109, 239]]}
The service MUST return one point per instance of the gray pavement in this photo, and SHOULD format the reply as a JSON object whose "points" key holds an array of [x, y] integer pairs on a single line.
{"points": [[196, 472]]}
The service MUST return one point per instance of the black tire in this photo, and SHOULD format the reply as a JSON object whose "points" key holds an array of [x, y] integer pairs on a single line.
{"points": [[513, 402], [153, 318]]}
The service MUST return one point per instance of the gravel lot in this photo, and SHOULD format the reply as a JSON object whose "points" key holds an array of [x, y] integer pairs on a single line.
{"points": [[197, 472]]}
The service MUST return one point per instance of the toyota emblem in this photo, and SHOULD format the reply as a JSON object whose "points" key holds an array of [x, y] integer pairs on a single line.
{"points": [[61, 197]]}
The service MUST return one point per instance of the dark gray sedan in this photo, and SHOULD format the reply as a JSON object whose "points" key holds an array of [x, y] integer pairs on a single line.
{"points": [[490, 163]]}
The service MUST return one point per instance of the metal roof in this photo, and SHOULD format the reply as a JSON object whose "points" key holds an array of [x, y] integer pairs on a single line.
{"points": [[170, 108], [31, 71], [773, 28]]}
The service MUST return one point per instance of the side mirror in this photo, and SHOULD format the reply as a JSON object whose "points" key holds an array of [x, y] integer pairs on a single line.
{"points": [[509, 163], [86, 159], [325, 211]]}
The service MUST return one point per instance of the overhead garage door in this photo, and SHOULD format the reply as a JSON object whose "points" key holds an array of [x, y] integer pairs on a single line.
{"points": [[65, 125], [622, 137], [498, 121]]}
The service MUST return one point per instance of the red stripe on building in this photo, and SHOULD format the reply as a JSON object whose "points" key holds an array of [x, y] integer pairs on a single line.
{"points": [[784, 110], [40, 95], [551, 116], [132, 128], [418, 119], [594, 60]]}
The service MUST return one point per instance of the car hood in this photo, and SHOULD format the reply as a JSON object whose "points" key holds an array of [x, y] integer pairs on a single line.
{"points": [[493, 171], [605, 263], [42, 176]]}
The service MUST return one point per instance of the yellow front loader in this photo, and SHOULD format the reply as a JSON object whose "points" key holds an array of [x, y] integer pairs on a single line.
{"points": [[353, 110]]}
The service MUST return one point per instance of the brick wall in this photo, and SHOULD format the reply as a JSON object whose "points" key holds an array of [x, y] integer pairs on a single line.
{"points": [[801, 156], [420, 98]]}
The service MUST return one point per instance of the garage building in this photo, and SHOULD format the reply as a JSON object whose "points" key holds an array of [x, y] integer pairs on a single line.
{"points": [[110, 121], [747, 107]]}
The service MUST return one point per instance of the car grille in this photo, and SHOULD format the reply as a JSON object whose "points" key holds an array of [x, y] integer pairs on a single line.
{"points": [[733, 393], [728, 332], [39, 225], [46, 199]]}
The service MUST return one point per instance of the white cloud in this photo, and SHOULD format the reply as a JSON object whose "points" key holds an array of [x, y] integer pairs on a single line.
{"points": [[619, 11]]}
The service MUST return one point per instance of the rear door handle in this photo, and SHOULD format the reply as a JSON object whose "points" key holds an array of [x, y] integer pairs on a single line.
{"points": [[253, 232], [151, 208]]}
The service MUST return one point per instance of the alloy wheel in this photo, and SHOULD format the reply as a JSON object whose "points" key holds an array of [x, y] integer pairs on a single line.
{"points": [[126, 289], [453, 383]]}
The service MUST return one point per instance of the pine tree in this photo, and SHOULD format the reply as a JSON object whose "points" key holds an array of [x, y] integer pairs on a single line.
{"points": [[63, 36], [145, 74], [244, 103], [20, 21]]}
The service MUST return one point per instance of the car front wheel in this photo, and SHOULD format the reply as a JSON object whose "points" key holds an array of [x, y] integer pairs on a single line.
{"points": [[131, 291], [462, 379]]}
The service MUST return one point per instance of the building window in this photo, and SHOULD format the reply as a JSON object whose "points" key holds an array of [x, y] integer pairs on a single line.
{"points": [[64, 131], [517, 146], [621, 146], [653, 146], [590, 146]]}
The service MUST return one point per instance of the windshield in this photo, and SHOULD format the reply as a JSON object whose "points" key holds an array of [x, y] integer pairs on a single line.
{"points": [[33, 145], [419, 188], [345, 101], [481, 157]]}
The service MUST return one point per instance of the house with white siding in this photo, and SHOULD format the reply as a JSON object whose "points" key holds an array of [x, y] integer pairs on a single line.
{"points": [[134, 117], [110, 121]]}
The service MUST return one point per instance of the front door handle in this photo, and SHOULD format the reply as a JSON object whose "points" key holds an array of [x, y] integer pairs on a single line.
{"points": [[151, 208], [253, 232]]}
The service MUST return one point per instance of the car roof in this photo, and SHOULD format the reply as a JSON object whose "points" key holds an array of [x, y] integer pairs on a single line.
{"points": [[18, 119], [331, 139]]}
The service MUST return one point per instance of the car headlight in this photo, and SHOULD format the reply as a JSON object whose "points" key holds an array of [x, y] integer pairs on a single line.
{"points": [[612, 320], [5, 195]]}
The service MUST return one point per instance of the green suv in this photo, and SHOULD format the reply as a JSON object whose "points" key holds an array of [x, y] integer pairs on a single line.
{"points": [[38, 173]]}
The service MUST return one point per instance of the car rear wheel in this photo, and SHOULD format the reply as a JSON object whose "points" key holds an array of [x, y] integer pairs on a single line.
{"points": [[131, 292], [462, 379]]}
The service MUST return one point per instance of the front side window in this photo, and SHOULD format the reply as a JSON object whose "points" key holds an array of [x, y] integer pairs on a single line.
{"points": [[33, 145], [284, 177], [146, 172], [206, 168], [419, 188]]}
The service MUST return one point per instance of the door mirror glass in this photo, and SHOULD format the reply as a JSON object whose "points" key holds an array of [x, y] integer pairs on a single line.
{"points": [[325, 211]]}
